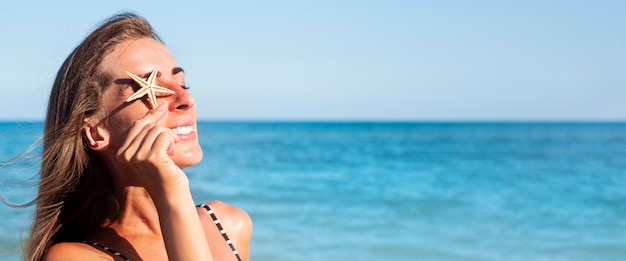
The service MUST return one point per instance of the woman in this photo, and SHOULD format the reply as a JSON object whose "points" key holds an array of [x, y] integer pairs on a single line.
{"points": [[120, 127]]}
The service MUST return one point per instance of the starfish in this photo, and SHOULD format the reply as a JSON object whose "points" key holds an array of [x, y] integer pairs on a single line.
{"points": [[148, 88]]}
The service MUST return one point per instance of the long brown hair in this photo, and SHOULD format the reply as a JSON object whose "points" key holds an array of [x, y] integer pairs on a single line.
{"points": [[76, 194]]}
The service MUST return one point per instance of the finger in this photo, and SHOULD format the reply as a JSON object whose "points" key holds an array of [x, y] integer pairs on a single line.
{"points": [[171, 150], [156, 141], [165, 143], [128, 150], [152, 117], [165, 140]]}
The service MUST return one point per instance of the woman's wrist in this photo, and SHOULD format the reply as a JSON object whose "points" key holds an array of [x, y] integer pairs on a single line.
{"points": [[172, 196], [168, 190]]}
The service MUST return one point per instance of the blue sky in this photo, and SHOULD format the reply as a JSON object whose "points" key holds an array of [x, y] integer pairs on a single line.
{"points": [[351, 60]]}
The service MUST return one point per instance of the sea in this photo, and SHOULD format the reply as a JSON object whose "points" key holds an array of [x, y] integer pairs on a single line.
{"points": [[323, 191]]}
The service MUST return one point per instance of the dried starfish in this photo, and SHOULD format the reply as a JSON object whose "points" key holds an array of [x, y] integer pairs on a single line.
{"points": [[148, 88]]}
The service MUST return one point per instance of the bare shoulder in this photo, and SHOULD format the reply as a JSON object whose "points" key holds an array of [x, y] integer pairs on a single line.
{"points": [[235, 221], [235, 217], [74, 251]]}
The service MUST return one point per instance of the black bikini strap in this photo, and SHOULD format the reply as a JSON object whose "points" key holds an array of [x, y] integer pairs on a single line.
{"points": [[105, 248], [222, 231]]}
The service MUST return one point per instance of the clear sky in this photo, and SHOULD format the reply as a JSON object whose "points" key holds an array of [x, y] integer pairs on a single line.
{"points": [[350, 60]]}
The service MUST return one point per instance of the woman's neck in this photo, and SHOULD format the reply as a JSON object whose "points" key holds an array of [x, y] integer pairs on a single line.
{"points": [[138, 214]]}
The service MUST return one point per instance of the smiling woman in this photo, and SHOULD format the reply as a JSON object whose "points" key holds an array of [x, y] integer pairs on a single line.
{"points": [[111, 183]]}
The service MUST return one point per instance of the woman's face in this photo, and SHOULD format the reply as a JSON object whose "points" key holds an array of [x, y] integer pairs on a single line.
{"points": [[141, 57]]}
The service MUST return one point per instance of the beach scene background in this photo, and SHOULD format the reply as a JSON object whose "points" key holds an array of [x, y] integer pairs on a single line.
{"points": [[399, 190], [370, 130]]}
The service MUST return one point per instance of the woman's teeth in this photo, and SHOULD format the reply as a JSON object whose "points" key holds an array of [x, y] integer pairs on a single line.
{"points": [[182, 130]]}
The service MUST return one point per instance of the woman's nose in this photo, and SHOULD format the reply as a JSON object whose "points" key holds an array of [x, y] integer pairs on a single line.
{"points": [[182, 99]]}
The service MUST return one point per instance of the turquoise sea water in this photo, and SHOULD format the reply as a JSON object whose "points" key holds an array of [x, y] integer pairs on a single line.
{"points": [[401, 191]]}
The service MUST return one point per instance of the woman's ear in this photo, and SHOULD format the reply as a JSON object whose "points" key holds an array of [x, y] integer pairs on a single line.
{"points": [[97, 137]]}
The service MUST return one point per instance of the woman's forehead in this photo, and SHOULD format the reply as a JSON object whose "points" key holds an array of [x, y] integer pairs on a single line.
{"points": [[143, 54]]}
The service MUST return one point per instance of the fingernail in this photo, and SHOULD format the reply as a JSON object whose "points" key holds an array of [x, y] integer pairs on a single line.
{"points": [[162, 106]]}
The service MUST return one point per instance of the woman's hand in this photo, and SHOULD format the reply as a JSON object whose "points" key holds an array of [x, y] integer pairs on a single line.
{"points": [[147, 150]]}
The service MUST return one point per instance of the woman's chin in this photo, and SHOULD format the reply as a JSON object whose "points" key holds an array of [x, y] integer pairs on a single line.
{"points": [[187, 159]]}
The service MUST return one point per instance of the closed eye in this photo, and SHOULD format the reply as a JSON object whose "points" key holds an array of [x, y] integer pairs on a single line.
{"points": [[186, 87]]}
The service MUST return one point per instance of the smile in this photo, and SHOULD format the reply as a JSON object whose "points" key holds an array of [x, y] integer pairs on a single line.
{"points": [[182, 130]]}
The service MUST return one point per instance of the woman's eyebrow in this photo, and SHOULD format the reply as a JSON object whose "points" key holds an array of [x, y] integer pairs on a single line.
{"points": [[146, 75], [177, 70]]}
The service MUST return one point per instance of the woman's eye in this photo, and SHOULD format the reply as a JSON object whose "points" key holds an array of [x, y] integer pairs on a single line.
{"points": [[186, 87]]}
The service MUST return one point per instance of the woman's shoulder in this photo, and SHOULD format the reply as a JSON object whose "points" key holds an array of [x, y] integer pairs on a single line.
{"points": [[235, 217], [74, 251], [235, 221]]}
